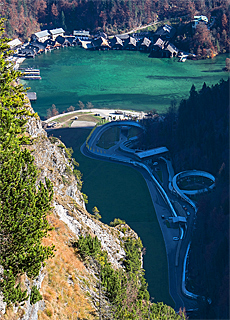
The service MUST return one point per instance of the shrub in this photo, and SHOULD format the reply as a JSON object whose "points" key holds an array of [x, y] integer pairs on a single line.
{"points": [[35, 295], [116, 222]]}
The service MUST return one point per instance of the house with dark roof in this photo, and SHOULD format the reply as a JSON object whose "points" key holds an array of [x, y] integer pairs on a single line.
{"points": [[50, 44], [56, 32], [100, 44], [165, 32], [72, 40], [41, 46], [141, 35], [63, 41], [116, 43], [29, 51], [130, 44], [163, 49], [171, 50], [40, 36], [144, 44], [101, 34]]}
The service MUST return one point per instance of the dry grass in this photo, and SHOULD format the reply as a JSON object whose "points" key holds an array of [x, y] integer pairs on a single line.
{"points": [[65, 121], [63, 297], [63, 300]]}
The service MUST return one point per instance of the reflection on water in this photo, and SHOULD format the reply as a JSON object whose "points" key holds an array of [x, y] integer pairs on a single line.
{"points": [[117, 79]]}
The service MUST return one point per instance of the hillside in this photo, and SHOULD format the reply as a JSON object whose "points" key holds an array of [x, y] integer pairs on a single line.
{"points": [[197, 135], [118, 16]]}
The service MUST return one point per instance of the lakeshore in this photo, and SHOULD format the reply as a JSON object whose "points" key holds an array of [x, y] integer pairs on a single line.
{"points": [[117, 79], [90, 117]]}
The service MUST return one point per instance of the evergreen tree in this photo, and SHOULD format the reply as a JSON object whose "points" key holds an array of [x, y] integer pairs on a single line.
{"points": [[23, 203]]}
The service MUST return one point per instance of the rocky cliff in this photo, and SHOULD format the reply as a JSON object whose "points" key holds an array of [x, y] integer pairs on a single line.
{"points": [[69, 287]]}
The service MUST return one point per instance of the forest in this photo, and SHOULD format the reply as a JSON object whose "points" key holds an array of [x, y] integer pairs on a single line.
{"points": [[125, 289], [24, 17], [197, 135]]}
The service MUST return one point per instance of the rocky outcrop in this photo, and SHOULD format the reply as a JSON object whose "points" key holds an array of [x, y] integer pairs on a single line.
{"points": [[69, 219]]}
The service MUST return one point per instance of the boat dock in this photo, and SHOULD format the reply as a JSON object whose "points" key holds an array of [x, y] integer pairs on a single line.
{"points": [[31, 77], [30, 74]]}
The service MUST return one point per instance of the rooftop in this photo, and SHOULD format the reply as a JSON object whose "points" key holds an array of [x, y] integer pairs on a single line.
{"points": [[81, 32], [151, 152], [14, 43], [57, 31], [42, 34], [179, 219]]}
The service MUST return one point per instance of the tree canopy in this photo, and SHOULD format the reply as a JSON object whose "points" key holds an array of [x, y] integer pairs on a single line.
{"points": [[125, 288], [24, 203]]}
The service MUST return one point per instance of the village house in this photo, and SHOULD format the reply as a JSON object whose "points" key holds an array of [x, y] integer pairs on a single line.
{"points": [[50, 44], [41, 46], [130, 44], [72, 40], [40, 36], [56, 32], [165, 32], [100, 44], [163, 49], [15, 45], [199, 19], [171, 50], [144, 44], [62, 41], [29, 51], [101, 34], [116, 43], [123, 37], [81, 34]]}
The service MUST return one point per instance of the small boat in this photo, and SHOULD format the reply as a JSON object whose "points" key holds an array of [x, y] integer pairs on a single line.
{"points": [[182, 59]]}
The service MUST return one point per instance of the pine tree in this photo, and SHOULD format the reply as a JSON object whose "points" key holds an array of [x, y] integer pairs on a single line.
{"points": [[23, 203]]}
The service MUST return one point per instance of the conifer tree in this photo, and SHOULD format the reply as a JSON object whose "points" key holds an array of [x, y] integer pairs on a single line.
{"points": [[24, 203]]}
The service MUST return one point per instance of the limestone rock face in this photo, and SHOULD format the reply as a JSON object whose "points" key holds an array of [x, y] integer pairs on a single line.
{"points": [[70, 220]]}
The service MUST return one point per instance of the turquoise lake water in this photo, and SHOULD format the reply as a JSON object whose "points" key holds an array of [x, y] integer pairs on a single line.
{"points": [[117, 79]]}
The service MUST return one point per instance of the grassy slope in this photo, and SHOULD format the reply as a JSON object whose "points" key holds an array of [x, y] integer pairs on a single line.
{"points": [[121, 192]]}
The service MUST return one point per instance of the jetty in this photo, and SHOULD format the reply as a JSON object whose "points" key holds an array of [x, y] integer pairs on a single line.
{"points": [[30, 74], [31, 77]]}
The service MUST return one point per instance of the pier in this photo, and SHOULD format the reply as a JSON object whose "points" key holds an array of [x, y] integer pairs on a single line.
{"points": [[30, 74], [31, 77]]}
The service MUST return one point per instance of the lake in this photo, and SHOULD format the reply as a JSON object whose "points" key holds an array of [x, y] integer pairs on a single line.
{"points": [[116, 79]]}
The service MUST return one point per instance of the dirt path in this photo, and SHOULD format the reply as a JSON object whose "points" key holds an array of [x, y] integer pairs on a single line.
{"points": [[141, 27]]}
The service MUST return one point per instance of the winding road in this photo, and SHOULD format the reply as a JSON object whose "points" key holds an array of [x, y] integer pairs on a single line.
{"points": [[176, 250]]}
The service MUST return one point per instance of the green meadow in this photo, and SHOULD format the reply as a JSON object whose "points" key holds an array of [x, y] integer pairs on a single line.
{"points": [[119, 191]]}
